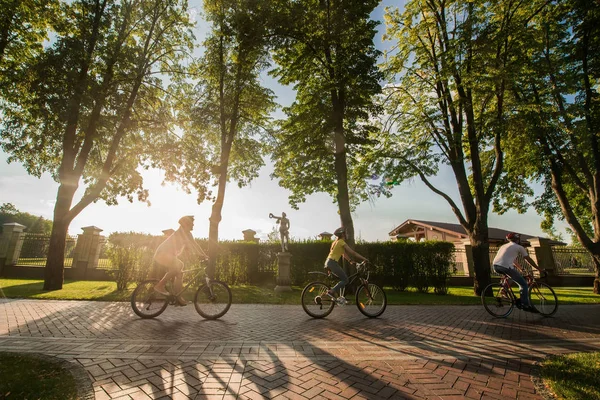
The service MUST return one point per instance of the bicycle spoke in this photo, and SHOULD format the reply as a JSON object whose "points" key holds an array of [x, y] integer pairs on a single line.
{"points": [[497, 300], [543, 298], [145, 302], [371, 300], [315, 300], [212, 301]]}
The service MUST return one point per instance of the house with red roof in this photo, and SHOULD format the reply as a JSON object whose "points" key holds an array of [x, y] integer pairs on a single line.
{"points": [[429, 230]]}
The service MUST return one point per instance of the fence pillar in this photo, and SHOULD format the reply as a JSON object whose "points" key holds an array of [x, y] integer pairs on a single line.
{"points": [[542, 254], [87, 249], [466, 256], [11, 242]]}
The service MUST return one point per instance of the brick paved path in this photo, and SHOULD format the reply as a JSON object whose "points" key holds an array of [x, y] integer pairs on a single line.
{"points": [[261, 351]]}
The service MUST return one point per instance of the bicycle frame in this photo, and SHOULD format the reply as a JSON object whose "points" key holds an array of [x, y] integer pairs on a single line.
{"points": [[505, 283], [198, 271], [360, 270]]}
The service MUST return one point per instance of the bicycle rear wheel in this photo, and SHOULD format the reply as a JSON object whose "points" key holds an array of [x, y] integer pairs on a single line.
{"points": [[315, 300], [147, 303], [371, 300], [543, 298], [497, 300], [213, 305]]}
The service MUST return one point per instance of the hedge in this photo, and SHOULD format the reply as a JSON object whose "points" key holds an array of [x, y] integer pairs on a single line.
{"points": [[400, 265]]}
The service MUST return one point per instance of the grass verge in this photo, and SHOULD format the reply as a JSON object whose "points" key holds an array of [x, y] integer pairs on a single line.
{"points": [[26, 376], [573, 376], [246, 294]]}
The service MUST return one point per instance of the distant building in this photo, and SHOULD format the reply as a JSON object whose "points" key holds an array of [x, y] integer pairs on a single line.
{"points": [[429, 230], [249, 236], [325, 235]]}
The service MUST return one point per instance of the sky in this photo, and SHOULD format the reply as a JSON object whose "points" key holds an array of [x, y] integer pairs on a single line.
{"points": [[249, 207]]}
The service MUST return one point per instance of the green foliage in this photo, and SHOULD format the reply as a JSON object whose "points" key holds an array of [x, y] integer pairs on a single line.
{"points": [[90, 106], [408, 264], [449, 104], [573, 376], [325, 50], [400, 265], [559, 116], [132, 263], [250, 294], [34, 224], [223, 108], [31, 376], [447, 95], [23, 29]]}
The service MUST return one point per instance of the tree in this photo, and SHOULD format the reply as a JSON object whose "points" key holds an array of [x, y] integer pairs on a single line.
{"points": [[449, 103], [228, 108], [559, 106], [34, 224], [23, 28], [325, 49], [90, 109]]}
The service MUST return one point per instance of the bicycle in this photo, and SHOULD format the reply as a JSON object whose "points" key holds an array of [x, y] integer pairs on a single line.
{"points": [[212, 299], [371, 300], [499, 298]]}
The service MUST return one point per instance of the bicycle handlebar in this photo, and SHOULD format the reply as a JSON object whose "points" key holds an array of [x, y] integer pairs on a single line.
{"points": [[361, 264]]}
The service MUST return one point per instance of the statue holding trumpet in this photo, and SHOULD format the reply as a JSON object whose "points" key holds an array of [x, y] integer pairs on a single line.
{"points": [[284, 230]]}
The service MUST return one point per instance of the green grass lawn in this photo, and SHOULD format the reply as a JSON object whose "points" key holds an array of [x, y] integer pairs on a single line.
{"points": [[26, 376], [573, 376], [245, 294]]}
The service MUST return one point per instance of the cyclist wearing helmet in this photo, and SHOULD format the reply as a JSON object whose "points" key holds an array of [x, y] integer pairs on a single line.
{"points": [[339, 249], [167, 255], [505, 263]]}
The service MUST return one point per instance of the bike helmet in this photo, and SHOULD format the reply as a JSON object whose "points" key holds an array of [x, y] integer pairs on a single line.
{"points": [[339, 232], [513, 237]]}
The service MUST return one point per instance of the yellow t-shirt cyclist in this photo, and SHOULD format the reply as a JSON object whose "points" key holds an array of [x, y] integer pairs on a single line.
{"points": [[339, 249]]}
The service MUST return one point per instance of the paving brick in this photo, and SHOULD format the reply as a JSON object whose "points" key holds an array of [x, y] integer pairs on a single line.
{"points": [[444, 351]]}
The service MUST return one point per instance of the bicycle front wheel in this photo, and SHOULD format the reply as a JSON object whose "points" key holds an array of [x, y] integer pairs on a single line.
{"points": [[371, 300], [213, 302], [147, 303], [315, 300], [497, 300], [543, 298]]}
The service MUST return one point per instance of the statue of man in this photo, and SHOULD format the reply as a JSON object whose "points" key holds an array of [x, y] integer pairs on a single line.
{"points": [[284, 230]]}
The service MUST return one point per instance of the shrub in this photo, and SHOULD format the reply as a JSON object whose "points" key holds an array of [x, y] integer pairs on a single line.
{"points": [[128, 260], [397, 264]]}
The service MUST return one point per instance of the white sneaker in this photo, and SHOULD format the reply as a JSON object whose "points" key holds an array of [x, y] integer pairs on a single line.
{"points": [[341, 301]]}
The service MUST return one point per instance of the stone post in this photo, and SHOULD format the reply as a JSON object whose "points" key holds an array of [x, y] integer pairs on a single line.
{"points": [[11, 242], [284, 277], [542, 254], [87, 249], [467, 257]]}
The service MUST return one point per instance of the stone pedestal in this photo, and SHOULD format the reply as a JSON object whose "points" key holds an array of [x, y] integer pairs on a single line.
{"points": [[87, 249], [466, 258], [284, 277], [542, 254], [11, 242]]}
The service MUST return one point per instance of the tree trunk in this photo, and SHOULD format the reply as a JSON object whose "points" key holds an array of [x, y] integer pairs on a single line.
{"points": [[479, 237], [481, 261], [55, 262], [597, 279], [213, 227], [215, 216], [341, 172]]}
